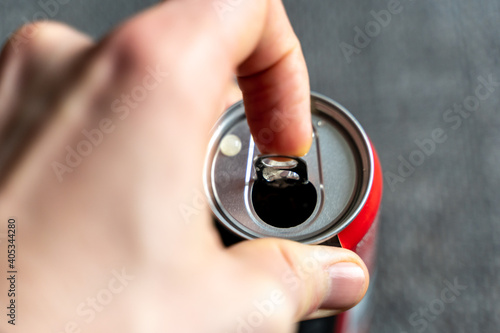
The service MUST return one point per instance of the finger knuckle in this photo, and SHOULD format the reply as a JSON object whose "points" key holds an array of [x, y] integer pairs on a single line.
{"points": [[134, 46], [303, 280], [33, 36]]}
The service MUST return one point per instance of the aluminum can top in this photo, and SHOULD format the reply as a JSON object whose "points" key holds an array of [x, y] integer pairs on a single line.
{"points": [[338, 170]]}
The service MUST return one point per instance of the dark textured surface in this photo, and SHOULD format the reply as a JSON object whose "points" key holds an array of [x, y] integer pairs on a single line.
{"points": [[442, 223]]}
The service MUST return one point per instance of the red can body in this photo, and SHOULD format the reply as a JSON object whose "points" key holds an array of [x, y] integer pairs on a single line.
{"points": [[361, 237]]}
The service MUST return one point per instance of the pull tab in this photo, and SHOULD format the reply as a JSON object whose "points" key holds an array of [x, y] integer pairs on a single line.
{"points": [[282, 195], [279, 170]]}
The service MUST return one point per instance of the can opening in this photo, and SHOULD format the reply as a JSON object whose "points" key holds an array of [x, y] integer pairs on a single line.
{"points": [[282, 195], [284, 206]]}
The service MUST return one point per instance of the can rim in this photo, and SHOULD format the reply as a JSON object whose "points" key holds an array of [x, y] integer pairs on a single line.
{"points": [[367, 190], [230, 115]]}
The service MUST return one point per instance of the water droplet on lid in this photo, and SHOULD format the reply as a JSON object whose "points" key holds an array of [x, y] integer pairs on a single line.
{"points": [[230, 145]]}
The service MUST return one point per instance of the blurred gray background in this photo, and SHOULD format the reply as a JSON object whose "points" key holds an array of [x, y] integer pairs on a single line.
{"points": [[440, 224]]}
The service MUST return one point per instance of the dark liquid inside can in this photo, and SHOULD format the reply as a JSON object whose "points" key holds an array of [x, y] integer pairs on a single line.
{"points": [[285, 204]]}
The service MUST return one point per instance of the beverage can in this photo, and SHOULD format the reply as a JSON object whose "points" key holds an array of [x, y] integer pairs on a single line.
{"points": [[330, 196]]}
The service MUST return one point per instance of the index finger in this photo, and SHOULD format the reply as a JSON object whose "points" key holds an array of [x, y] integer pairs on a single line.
{"points": [[255, 40], [275, 86]]}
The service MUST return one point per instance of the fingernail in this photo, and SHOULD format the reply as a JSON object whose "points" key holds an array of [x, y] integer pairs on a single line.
{"points": [[304, 149], [347, 282]]}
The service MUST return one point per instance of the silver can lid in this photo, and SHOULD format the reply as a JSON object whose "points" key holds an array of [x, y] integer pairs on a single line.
{"points": [[339, 167]]}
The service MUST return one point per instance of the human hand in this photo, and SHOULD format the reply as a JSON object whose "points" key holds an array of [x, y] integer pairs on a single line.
{"points": [[102, 142]]}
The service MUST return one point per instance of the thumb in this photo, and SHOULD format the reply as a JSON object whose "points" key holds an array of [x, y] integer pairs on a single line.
{"points": [[316, 281]]}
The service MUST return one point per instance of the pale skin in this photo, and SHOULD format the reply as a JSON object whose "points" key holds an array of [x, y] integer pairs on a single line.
{"points": [[119, 208]]}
